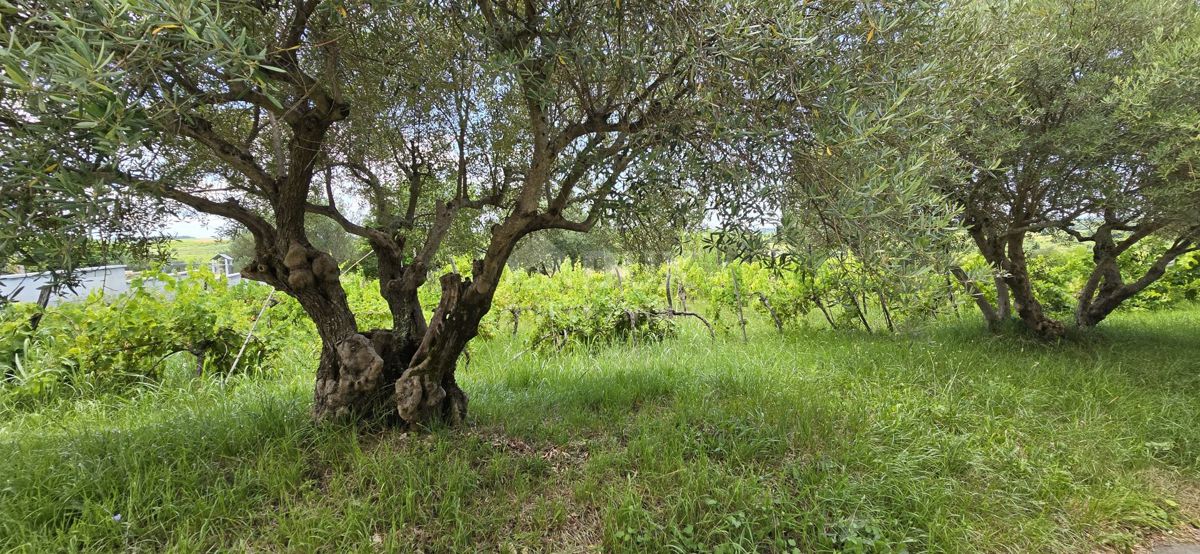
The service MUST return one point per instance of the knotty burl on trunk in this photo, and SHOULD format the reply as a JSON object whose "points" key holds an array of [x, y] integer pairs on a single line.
{"points": [[406, 373]]}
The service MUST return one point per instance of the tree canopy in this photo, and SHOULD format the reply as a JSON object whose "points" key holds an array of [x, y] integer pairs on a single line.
{"points": [[397, 119], [1072, 123]]}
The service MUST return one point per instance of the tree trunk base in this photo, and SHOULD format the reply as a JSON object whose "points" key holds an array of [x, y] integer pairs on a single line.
{"points": [[420, 400], [1047, 329], [1088, 321], [364, 378], [349, 379]]}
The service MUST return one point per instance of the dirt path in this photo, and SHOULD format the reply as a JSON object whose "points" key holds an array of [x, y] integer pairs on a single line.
{"points": [[1181, 541], [1190, 548]]}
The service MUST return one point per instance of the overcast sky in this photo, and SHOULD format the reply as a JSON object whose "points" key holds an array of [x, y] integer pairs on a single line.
{"points": [[195, 226]]}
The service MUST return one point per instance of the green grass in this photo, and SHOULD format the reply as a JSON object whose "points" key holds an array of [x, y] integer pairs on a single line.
{"points": [[197, 250], [944, 440]]}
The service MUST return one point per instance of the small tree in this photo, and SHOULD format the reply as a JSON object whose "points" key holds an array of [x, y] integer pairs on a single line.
{"points": [[1069, 125], [513, 116]]}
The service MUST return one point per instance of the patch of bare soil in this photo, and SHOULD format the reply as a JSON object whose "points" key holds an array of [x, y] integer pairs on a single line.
{"points": [[580, 529], [1177, 541]]}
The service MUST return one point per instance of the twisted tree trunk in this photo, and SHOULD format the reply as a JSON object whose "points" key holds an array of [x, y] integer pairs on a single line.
{"points": [[1029, 309], [404, 374], [1106, 288], [990, 315], [1005, 251], [1003, 302]]}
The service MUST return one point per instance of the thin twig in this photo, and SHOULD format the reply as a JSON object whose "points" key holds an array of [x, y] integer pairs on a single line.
{"points": [[672, 313], [253, 325]]}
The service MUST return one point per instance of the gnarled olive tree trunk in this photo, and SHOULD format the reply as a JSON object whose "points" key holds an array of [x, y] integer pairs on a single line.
{"points": [[1029, 309], [1102, 293], [405, 374], [1005, 253], [427, 387], [354, 368], [1106, 288]]}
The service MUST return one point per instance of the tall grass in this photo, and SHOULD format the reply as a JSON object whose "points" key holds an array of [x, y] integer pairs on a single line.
{"points": [[947, 439]]}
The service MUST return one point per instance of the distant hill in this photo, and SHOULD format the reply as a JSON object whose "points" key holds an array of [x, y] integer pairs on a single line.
{"points": [[197, 250]]}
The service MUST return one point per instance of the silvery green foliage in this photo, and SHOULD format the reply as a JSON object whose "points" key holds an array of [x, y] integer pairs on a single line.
{"points": [[75, 104], [191, 101], [852, 175], [1074, 119], [706, 105]]}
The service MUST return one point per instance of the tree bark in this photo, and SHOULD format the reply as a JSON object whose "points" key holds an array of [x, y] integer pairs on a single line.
{"points": [[952, 298], [859, 310], [990, 315], [1005, 252], [766, 302], [1016, 276], [887, 314], [1003, 302], [737, 295], [824, 311], [1106, 289], [670, 301], [427, 388], [356, 371]]}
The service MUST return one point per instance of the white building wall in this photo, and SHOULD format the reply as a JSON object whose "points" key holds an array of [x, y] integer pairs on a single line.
{"points": [[109, 278]]}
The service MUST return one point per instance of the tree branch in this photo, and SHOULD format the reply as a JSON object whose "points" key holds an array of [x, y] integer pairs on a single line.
{"points": [[201, 130]]}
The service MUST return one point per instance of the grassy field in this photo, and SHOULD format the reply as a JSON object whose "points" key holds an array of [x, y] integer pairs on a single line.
{"points": [[197, 250], [944, 440]]}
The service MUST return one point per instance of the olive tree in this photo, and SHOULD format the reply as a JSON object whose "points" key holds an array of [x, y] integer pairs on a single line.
{"points": [[397, 120], [1069, 121]]}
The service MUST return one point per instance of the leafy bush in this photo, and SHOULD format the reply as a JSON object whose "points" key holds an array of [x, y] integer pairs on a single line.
{"points": [[106, 341], [583, 306]]}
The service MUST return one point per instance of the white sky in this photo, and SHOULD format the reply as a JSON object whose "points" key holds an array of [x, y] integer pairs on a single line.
{"points": [[193, 226]]}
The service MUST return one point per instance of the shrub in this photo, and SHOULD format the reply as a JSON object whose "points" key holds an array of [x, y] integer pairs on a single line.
{"points": [[110, 341]]}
